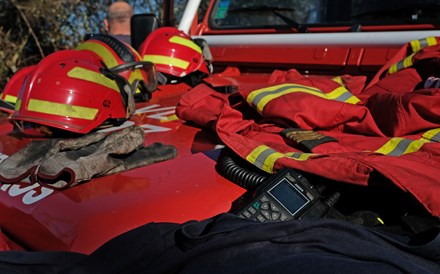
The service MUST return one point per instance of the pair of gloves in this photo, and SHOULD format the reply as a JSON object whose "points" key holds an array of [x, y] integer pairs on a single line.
{"points": [[63, 163]]}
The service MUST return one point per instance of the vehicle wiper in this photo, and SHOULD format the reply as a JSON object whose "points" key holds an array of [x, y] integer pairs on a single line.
{"points": [[276, 11]]}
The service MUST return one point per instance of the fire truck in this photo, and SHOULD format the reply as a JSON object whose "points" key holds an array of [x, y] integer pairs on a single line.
{"points": [[247, 41]]}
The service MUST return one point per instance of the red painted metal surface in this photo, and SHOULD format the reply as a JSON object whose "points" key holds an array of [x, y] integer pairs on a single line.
{"points": [[84, 217], [188, 187]]}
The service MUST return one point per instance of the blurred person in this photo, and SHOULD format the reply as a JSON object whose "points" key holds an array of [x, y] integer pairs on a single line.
{"points": [[117, 22]]}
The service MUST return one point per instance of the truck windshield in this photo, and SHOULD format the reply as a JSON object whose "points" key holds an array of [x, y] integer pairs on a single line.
{"points": [[300, 14]]}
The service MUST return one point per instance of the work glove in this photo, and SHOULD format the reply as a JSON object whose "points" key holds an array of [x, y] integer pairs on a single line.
{"points": [[24, 162], [72, 161]]}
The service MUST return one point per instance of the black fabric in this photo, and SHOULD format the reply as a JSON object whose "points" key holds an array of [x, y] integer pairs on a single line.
{"points": [[228, 244]]}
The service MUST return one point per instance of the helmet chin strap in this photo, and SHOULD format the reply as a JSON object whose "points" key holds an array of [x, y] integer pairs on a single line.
{"points": [[125, 89], [147, 67]]}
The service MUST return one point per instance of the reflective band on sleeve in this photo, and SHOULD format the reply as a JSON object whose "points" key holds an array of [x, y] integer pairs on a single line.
{"points": [[417, 45], [185, 42], [405, 63], [166, 60], [299, 156], [432, 135], [10, 99], [103, 52], [399, 146], [338, 80], [259, 98], [341, 94], [265, 157], [92, 76], [59, 109]]}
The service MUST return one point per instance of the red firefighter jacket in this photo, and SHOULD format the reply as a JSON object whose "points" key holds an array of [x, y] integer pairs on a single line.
{"points": [[334, 127]]}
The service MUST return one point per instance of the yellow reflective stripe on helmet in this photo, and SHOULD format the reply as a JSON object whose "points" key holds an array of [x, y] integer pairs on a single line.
{"points": [[185, 42], [259, 98], [265, 157], [92, 76], [10, 99], [166, 60], [59, 109], [399, 146], [103, 52], [136, 75], [17, 105], [417, 45], [432, 135]]}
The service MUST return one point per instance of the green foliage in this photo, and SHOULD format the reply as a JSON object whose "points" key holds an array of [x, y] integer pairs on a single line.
{"points": [[32, 29]]}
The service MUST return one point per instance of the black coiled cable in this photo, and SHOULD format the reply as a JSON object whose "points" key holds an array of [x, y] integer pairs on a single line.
{"points": [[239, 175]]}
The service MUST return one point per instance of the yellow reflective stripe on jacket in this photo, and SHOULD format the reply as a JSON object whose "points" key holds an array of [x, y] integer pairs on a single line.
{"points": [[103, 52], [92, 76], [166, 60], [10, 99], [265, 157], [59, 109], [299, 156], [350, 98], [185, 42], [405, 63], [338, 80], [341, 94], [259, 98], [398, 146], [417, 45], [432, 135]]}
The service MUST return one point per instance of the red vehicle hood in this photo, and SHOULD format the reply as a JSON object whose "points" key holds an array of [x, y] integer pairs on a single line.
{"points": [[85, 216]]}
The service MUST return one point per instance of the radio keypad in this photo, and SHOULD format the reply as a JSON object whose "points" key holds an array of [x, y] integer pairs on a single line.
{"points": [[263, 210]]}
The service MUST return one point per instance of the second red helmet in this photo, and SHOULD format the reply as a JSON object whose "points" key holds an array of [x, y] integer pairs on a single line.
{"points": [[173, 52]]}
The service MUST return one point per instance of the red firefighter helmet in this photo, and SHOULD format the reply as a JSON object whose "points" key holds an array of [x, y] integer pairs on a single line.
{"points": [[72, 90], [123, 59], [173, 52], [9, 95]]}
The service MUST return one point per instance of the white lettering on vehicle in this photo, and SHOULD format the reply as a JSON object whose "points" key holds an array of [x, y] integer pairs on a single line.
{"points": [[30, 194], [160, 113]]}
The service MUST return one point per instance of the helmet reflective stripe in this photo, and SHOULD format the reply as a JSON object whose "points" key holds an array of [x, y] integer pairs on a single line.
{"points": [[94, 77], [17, 104], [185, 42], [103, 52], [64, 110], [10, 98], [166, 60]]}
